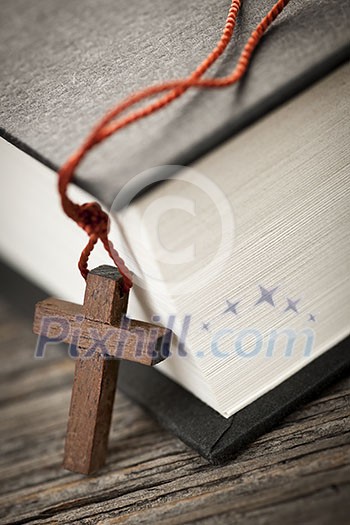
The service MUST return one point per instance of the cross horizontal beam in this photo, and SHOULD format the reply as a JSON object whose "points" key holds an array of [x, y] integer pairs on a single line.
{"points": [[62, 321]]}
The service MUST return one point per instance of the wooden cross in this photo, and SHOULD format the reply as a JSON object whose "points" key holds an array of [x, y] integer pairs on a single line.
{"points": [[101, 335]]}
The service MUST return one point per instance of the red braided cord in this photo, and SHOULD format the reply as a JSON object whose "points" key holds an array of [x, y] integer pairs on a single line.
{"points": [[90, 216]]}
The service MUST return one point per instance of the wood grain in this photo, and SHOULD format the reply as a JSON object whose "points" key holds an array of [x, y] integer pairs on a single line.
{"points": [[90, 414], [299, 473], [104, 300]]}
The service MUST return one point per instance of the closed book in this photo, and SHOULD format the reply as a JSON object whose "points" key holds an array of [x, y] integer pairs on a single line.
{"points": [[262, 166]]}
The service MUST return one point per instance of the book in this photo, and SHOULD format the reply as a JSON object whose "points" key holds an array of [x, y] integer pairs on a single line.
{"points": [[283, 207]]}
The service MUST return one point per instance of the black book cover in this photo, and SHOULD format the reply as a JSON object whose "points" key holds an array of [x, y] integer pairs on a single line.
{"points": [[65, 63], [218, 438]]}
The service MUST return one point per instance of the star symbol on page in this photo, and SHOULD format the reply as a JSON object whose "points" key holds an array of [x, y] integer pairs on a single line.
{"points": [[312, 318], [266, 295], [231, 307], [206, 326], [292, 305]]}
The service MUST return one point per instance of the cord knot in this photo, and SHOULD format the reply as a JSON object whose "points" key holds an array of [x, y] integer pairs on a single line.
{"points": [[93, 219]]}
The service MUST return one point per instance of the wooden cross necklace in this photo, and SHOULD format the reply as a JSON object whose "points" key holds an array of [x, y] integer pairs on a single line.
{"points": [[99, 326], [101, 336]]}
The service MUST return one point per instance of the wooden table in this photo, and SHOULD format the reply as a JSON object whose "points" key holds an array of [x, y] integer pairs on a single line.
{"points": [[297, 474]]}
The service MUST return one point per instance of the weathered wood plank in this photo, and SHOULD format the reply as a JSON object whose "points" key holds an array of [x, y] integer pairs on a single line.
{"points": [[298, 473]]}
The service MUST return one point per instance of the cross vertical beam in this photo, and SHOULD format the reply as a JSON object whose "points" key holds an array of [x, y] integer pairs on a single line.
{"points": [[95, 379]]}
